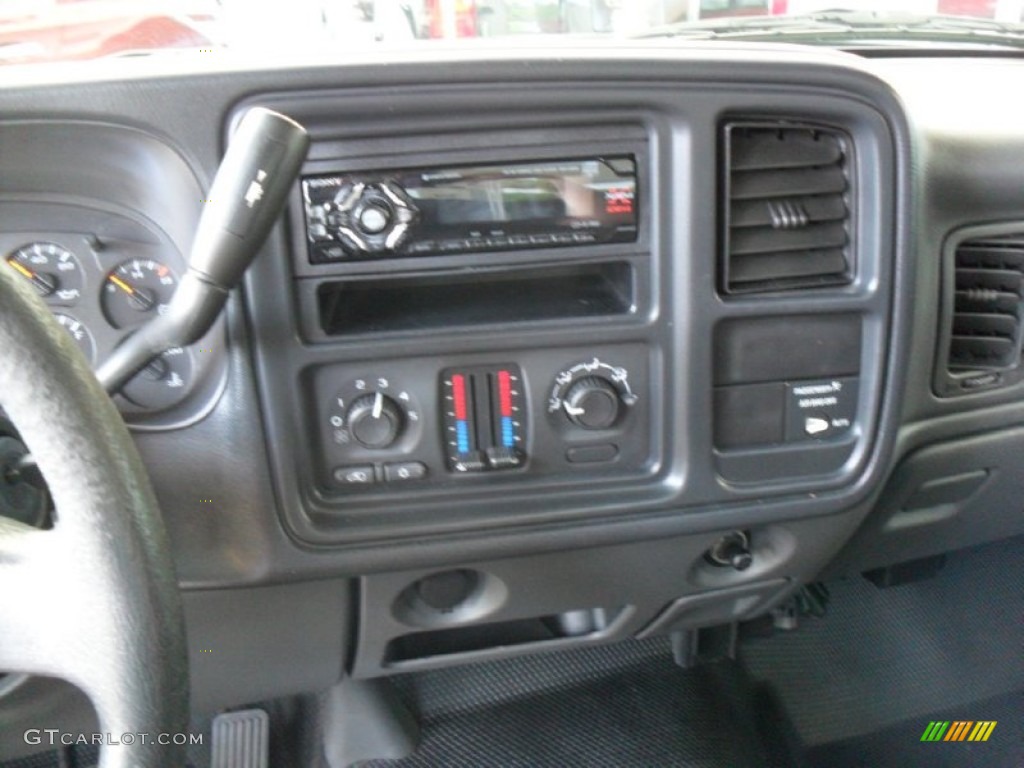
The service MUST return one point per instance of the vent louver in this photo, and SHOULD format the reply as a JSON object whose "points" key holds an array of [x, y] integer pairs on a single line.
{"points": [[987, 305], [786, 215]]}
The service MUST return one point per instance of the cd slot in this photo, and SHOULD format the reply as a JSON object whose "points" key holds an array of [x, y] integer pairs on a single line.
{"points": [[495, 297]]}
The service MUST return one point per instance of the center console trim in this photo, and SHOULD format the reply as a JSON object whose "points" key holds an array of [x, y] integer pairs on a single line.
{"points": [[677, 128]]}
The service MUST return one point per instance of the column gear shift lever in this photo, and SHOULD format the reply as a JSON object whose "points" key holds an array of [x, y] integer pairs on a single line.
{"points": [[245, 200]]}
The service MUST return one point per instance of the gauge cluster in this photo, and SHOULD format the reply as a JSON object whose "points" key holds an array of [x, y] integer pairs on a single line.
{"points": [[100, 289]]}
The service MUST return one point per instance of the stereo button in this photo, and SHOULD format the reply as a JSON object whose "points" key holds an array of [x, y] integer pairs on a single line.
{"points": [[374, 219]]}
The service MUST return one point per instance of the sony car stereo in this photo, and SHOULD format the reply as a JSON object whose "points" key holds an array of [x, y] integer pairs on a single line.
{"points": [[475, 208]]}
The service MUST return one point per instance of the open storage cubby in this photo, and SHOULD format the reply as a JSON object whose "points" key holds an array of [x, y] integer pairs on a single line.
{"points": [[474, 638], [476, 297]]}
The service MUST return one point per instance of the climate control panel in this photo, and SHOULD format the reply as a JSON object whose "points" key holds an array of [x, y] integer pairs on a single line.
{"points": [[426, 422]]}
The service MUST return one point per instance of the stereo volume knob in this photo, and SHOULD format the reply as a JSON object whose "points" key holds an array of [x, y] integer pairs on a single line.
{"points": [[375, 420], [374, 217], [593, 403]]}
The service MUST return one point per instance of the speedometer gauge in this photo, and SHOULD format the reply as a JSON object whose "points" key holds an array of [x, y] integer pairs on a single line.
{"points": [[53, 271]]}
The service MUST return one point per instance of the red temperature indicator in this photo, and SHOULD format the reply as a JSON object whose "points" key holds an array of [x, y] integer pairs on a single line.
{"points": [[506, 410], [484, 418]]}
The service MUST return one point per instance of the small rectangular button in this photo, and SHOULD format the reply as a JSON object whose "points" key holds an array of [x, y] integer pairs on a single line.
{"points": [[362, 475], [592, 454], [406, 470]]}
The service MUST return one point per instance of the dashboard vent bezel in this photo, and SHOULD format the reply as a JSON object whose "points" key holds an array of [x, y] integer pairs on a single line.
{"points": [[787, 217], [982, 308]]}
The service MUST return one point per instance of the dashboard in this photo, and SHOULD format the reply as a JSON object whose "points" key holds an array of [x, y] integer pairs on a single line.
{"points": [[546, 351]]}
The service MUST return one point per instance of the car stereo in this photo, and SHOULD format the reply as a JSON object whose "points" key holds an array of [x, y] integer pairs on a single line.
{"points": [[474, 208]]}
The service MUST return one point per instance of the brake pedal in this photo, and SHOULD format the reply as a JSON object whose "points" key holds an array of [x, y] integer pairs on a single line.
{"points": [[241, 740]]}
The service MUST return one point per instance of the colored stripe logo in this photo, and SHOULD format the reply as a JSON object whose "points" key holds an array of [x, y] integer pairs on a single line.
{"points": [[959, 730]]}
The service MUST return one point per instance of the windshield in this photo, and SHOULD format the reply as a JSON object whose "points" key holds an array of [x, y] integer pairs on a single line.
{"points": [[61, 30]]}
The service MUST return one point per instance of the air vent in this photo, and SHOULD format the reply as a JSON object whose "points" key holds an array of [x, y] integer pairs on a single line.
{"points": [[786, 216], [988, 305]]}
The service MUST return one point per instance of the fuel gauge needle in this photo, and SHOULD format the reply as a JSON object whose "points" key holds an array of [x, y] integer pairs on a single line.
{"points": [[41, 283]]}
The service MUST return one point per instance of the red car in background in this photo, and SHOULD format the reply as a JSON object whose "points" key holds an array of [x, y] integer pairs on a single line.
{"points": [[51, 30], [466, 23]]}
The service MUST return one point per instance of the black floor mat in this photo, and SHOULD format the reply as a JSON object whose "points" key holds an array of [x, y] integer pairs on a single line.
{"points": [[626, 706], [884, 657], [900, 745]]}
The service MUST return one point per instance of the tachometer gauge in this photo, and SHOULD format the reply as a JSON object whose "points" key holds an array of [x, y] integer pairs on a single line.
{"points": [[79, 334], [136, 291], [54, 271]]}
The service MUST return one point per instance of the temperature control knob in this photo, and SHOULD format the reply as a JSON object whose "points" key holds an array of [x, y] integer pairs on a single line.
{"points": [[375, 420], [593, 402]]}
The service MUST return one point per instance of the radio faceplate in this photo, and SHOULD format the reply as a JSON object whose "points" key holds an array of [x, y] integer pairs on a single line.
{"points": [[469, 209]]}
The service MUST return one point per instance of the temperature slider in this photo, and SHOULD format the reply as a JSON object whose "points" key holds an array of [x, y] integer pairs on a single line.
{"points": [[485, 417]]}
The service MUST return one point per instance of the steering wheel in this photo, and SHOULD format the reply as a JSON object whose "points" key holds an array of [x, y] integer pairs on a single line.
{"points": [[94, 600]]}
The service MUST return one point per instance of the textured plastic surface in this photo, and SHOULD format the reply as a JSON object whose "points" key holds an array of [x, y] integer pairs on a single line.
{"points": [[787, 347], [719, 607], [299, 650], [947, 496]]}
